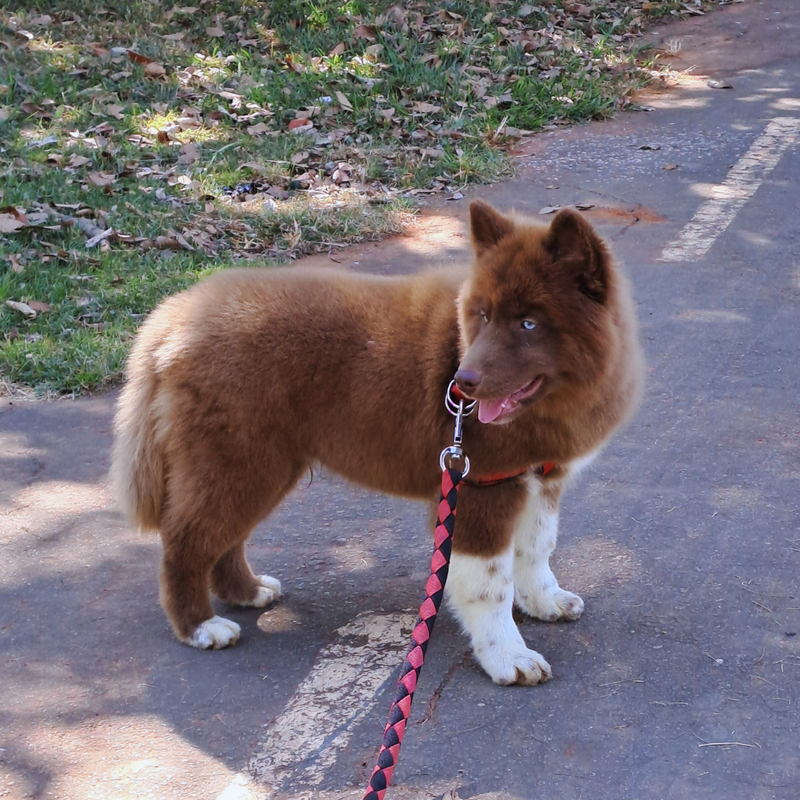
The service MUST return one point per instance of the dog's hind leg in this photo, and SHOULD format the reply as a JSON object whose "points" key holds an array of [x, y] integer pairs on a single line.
{"points": [[480, 587], [233, 581], [204, 530], [190, 551], [536, 590]]}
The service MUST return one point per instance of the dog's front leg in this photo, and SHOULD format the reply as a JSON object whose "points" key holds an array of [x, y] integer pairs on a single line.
{"points": [[480, 587], [481, 592], [536, 589]]}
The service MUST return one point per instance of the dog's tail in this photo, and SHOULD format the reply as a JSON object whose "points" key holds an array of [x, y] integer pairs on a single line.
{"points": [[138, 469]]}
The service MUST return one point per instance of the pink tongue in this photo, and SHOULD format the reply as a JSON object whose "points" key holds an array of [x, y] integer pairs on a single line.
{"points": [[489, 410]]}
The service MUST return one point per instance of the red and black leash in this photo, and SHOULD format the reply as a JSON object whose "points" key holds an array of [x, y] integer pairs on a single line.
{"points": [[455, 466], [434, 591]]}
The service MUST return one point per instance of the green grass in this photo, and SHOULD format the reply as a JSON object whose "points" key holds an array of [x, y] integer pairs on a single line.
{"points": [[427, 97]]}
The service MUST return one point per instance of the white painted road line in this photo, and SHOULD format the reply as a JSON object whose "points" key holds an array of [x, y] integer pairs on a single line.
{"points": [[743, 180], [317, 723]]}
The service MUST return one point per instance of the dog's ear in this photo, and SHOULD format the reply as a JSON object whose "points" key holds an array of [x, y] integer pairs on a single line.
{"points": [[573, 241], [488, 226]]}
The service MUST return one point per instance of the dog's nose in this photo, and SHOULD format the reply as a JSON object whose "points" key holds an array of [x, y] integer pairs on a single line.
{"points": [[468, 380]]}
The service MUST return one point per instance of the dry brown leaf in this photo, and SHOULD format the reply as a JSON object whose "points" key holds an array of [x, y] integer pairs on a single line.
{"points": [[5, 113], [9, 224], [38, 218], [579, 9], [338, 50], [257, 130], [254, 165], [100, 238], [170, 243], [78, 161], [293, 65], [215, 32], [298, 123], [427, 108], [38, 306], [188, 153], [100, 178], [11, 219], [23, 308], [154, 70], [114, 110], [343, 101], [367, 32], [138, 58], [16, 265]]}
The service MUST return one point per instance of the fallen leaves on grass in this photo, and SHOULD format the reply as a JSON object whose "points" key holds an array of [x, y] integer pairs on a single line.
{"points": [[342, 98], [189, 153], [100, 179], [23, 308], [11, 219], [211, 134], [154, 70]]}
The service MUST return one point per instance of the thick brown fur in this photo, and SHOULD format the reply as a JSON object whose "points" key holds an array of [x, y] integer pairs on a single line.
{"points": [[240, 384]]}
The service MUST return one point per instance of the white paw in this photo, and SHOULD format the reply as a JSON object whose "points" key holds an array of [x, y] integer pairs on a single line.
{"points": [[214, 634], [514, 665], [268, 592], [552, 605]]}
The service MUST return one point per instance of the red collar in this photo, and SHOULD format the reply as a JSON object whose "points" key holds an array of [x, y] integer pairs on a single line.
{"points": [[502, 477]]}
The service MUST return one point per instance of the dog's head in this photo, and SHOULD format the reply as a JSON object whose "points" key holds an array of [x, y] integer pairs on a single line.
{"points": [[534, 317]]}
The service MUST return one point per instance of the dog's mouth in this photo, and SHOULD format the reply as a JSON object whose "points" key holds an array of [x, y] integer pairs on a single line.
{"points": [[493, 410]]}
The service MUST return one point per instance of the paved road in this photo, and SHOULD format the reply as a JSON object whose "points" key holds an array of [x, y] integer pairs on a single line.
{"points": [[682, 680]]}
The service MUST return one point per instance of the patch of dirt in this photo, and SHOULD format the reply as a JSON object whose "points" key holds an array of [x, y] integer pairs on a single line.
{"points": [[623, 215]]}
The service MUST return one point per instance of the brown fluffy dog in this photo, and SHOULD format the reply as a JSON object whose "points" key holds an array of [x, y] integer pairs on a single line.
{"points": [[238, 385]]}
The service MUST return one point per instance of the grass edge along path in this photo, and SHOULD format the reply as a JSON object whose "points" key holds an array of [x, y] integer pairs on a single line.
{"points": [[142, 147]]}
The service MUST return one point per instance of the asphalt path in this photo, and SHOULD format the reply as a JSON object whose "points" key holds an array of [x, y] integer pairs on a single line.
{"points": [[682, 679]]}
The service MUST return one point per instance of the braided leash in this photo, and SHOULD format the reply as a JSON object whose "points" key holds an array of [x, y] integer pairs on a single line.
{"points": [[434, 591]]}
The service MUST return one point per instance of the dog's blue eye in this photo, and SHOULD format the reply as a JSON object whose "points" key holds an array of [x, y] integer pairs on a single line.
{"points": [[528, 324]]}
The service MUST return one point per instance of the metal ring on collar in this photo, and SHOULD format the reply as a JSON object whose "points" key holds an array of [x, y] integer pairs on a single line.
{"points": [[452, 404], [455, 453]]}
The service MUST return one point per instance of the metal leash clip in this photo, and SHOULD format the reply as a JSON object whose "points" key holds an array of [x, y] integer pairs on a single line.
{"points": [[454, 403]]}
